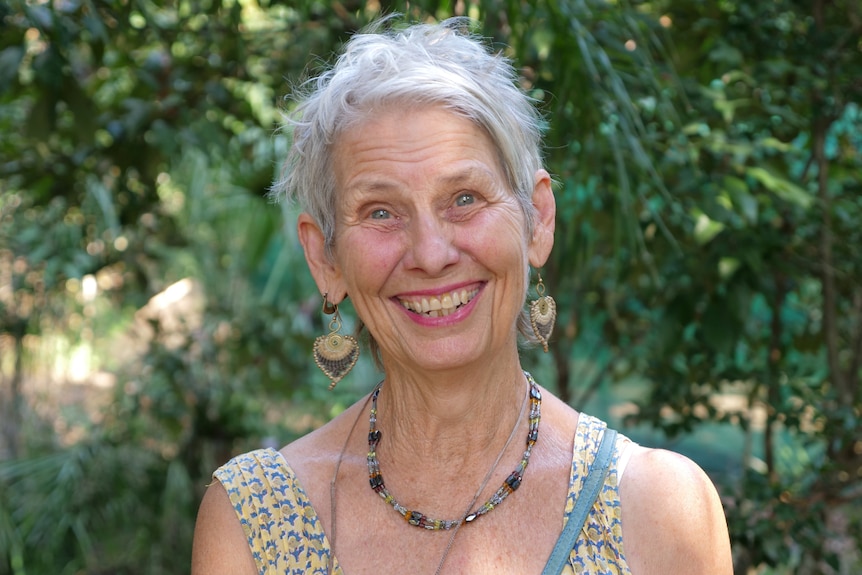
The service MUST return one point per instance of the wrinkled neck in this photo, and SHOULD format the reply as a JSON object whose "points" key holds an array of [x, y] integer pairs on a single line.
{"points": [[441, 420]]}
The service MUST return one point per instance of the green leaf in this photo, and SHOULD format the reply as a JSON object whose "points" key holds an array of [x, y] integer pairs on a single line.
{"points": [[705, 229], [781, 187], [726, 54], [743, 201]]}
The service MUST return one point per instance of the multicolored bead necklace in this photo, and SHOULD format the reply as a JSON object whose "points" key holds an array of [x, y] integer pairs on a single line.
{"points": [[512, 482]]}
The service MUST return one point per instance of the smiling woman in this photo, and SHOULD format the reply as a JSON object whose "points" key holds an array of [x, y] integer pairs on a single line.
{"points": [[416, 160], [424, 211]]}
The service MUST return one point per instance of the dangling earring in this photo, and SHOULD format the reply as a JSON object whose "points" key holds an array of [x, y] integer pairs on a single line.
{"points": [[335, 354], [543, 314]]}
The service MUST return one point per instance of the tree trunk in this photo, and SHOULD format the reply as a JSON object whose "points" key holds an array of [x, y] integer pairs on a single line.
{"points": [[827, 268], [773, 383], [15, 407]]}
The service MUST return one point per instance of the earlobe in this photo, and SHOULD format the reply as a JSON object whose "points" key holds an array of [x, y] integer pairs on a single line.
{"points": [[325, 272], [542, 240]]}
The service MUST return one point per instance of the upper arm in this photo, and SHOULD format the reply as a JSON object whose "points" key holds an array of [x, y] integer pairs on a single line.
{"points": [[220, 544], [672, 518]]}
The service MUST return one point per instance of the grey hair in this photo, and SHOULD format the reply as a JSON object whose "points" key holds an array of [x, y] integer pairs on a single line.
{"points": [[421, 65]]}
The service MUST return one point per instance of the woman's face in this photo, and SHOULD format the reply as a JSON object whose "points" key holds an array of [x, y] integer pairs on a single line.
{"points": [[430, 242]]}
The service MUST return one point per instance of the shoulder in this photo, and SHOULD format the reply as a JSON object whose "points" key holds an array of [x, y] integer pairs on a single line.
{"points": [[220, 544], [673, 521], [235, 522], [248, 483]]}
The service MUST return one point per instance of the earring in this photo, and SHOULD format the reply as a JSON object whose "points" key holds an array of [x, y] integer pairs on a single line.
{"points": [[335, 354], [543, 314]]}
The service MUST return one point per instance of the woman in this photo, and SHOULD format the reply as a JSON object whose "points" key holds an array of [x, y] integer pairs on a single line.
{"points": [[417, 162]]}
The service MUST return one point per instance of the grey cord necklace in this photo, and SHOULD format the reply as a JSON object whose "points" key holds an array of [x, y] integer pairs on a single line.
{"points": [[487, 478]]}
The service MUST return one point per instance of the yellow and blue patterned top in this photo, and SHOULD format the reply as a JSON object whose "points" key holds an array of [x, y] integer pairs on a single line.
{"points": [[286, 536]]}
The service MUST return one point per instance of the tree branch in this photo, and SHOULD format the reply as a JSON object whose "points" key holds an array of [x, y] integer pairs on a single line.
{"points": [[820, 126], [827, 270]]}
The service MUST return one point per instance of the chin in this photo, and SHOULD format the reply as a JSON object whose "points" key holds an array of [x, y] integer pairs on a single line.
{"points": [[450, 355]]}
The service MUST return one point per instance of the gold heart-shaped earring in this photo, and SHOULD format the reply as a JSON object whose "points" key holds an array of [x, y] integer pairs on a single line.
{"points": [[335, 354], [543, 314]]}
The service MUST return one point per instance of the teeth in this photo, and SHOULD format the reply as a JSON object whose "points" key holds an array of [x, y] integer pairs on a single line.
{"points": [[442, 306]]}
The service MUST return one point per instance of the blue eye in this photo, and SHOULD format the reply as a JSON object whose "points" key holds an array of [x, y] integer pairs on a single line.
{"points": [[465, 200], [379, 215]]}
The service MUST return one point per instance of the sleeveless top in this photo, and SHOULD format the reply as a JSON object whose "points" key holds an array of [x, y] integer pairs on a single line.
{"points": [[286, 536]]}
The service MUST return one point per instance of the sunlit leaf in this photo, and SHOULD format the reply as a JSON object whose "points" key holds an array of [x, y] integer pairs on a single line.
{"points": [[781, 187]]}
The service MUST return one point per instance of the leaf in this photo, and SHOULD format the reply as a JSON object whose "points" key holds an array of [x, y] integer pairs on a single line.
{"points": [[95, 25], [727, 267], [782, 188], [39, 15], [726, 55], [705, 229], [741, 197], [105, 201]]}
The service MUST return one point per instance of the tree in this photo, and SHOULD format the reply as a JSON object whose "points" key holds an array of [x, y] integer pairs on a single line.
{"points": [[138, 150], [764, 297]]}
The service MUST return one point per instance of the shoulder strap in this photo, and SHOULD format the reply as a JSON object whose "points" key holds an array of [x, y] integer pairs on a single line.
{"points": [[589, 492]]}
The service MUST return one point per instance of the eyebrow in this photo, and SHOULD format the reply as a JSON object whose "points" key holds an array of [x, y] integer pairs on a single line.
{"points": [[468, 174]]}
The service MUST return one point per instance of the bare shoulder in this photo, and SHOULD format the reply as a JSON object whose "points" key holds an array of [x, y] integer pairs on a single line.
{"points": [[673, 521], [220, 545]]}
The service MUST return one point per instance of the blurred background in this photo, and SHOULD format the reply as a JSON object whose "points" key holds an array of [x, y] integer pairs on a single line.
{"points": [[156, 314]]}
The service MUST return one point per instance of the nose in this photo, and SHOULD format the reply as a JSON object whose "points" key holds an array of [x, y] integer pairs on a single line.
{"points": [[432, 248]]}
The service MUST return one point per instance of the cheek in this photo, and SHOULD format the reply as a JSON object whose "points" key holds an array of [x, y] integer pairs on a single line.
{"points": [[502, 239], [369, 260]]}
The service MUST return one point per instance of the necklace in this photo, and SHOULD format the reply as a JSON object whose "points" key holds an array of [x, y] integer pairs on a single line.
{"points": [[533, 392], [511, 483]]}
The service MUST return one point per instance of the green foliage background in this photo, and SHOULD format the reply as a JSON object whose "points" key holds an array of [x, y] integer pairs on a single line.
{"points": [[707, 267]]}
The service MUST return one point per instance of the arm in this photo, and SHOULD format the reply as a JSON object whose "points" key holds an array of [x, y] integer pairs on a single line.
{"points": [[220, 546], [673, 521]]}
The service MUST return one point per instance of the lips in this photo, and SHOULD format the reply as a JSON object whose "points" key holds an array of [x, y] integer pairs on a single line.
{"points": [[439, 306]]}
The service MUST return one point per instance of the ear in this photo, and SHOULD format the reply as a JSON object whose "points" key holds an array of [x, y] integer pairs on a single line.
{"points": [[542, 239], [325, 272]]}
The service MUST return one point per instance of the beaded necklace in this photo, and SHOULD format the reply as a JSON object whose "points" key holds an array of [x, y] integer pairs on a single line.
{"points": [[511, 483]]}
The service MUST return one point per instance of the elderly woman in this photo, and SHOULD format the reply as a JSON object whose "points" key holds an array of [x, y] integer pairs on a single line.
{"points": [[417, 162]]}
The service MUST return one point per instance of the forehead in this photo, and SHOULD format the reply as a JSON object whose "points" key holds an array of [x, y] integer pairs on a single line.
{"points": [[412, 140]]}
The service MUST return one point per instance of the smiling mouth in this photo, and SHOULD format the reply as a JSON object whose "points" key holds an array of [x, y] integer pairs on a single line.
{"points": [[439, 306]]}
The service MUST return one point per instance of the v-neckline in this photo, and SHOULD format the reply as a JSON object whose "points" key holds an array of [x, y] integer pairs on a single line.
{"points": [[578, 445]]}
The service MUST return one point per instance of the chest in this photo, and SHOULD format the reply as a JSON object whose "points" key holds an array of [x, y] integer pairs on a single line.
{"points": [[515, 538]]}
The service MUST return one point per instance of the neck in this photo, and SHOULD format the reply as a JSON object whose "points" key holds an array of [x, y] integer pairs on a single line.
{"points": [[441, 416]]}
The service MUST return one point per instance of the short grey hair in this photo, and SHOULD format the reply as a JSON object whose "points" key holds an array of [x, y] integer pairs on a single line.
{"points": [[420, 65]]}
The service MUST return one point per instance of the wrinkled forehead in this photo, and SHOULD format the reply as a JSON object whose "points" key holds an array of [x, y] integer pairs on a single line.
{"points": [[363, 118]]}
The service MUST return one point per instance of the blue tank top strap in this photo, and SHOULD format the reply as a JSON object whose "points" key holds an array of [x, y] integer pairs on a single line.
{"points": [[589, 492]]}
